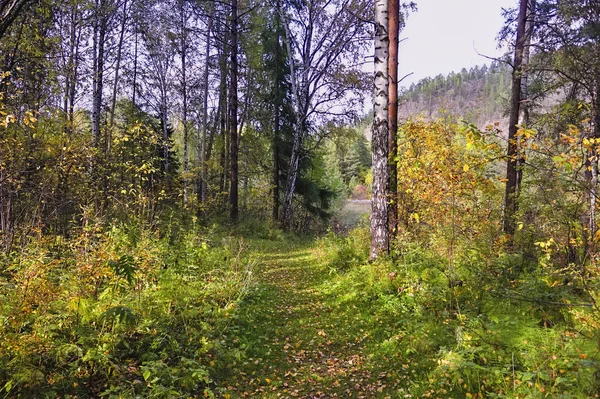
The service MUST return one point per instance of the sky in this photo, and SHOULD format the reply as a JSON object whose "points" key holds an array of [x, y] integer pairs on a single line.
{"points": [[446, 35]]}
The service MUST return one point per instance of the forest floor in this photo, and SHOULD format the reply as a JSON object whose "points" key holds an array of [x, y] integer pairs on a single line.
{"points": [[299, 338]]}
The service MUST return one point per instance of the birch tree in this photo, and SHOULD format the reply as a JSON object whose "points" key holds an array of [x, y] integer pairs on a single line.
{"points": [[325, 41], [380, 130], [157, 73]]}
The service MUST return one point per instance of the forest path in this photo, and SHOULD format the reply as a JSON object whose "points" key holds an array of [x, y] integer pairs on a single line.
{"points": [[299, 338]]}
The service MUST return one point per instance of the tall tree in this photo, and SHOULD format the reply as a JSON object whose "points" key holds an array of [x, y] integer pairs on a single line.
{"points": [[101, 15], [275, 97], [525, 92], [394, 31], [157, 74], [183, 56], [380, 240], [510, 200], [202, 150], [233, 114], [325, 41], [120, 44], [70, 25]]}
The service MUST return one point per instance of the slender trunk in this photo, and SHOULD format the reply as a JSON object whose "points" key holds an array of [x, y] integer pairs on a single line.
{"points": [[394, 30], [594, 165], [222, 129], [183, 44], [72, 66], [210, 144], [292, 175], [276, 123], [380, 135], [74, 78], [165, 129], [118, 66], [510, 200], [529, 26], [233, 110], [202, 151], [135, 65], [98, 70], [71, 60], [95, 76], [292, 172]]}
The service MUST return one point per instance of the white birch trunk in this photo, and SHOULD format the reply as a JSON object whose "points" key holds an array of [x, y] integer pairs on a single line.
{"points": [[379, 212]]}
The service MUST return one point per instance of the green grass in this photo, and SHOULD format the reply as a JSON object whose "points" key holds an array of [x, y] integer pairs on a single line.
{"points": [[299, 337], [272, 315], [311, 330]]}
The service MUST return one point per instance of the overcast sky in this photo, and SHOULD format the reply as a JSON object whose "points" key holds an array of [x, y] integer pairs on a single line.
{"points": [[445, 36]]}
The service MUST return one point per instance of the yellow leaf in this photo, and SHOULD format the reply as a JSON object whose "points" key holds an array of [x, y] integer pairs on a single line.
{"points": [[465, 167], [268, 380]]}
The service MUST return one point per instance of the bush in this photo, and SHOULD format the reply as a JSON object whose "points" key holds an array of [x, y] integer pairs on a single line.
{"points": [[118, 311]]}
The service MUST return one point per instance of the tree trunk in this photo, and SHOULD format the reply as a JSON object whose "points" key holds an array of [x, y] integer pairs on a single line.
{"points": [[118, 66], [380, 135], [98, 70], [593, 164], [529, 27], [223, 118], [9, 11], [135, 65], [233, 110], [510, 200], [275, 183], [72, 68], [300, 112], [202, 151], [165, 129], [290, 183], [183, 43], [74, 78], [394, 30]]}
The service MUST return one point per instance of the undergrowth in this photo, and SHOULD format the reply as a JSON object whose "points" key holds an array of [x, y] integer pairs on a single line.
{"points": [[477, 328], [119, 312]]}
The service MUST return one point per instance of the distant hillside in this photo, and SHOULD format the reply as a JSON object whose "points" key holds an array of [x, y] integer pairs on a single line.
{"points": [[479, 95]]}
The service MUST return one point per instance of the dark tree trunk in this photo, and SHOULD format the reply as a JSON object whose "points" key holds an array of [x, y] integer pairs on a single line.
{"points": [[526, 103], [223, 130], [276, 164], [233, 110], [118, 66], [202, 151], [100, 27], [9, 11], [135, 65], [510, 195], [184, 94]]}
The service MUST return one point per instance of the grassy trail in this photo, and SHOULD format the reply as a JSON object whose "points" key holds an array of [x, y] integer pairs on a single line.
{"points": [[300, 339]]}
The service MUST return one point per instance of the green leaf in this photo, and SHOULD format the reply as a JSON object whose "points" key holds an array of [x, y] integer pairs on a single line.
{"points": [[119, 314]]}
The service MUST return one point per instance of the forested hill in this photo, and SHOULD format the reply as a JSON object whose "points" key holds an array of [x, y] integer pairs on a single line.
{"points": [[479, 95]]}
